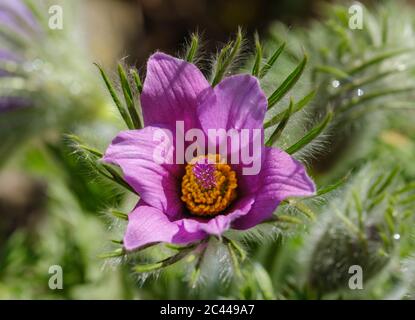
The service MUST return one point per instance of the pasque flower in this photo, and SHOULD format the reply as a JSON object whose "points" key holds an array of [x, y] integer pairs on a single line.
{"points": [[183, 203]]}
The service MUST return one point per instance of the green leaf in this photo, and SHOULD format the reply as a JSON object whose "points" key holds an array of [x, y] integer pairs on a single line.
{"points": [[234, 259], [116, 177], [390, 220], [101, 168], [374, 185], [258, 57], [194, 277], [385, 27], [297, 107], [376, 200], [302, 207], [407, 200], [123, 112], [389, 179], [129, 98], [370, 96], [119, 215], [241, 252], [368, 80], [226, 57], [287, 219], [79, 144], [142, 268], [264, 281], [192, 50], [264, 70], [278, 131], [359, 209], [92, 151], [116, 253], [137, 80], [164, 263], [408, 187], [377, 59], [288, 83], [332, 70], [311, 135]]}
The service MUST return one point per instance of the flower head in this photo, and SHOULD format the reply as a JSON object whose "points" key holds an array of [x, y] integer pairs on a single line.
{"points": [[210, 193]]}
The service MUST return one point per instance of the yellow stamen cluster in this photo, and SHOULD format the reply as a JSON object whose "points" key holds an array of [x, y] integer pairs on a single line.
{"points": [[209, 200]]}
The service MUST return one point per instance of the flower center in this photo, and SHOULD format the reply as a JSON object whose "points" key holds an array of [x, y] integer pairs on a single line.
{"points": [[208, 186]]}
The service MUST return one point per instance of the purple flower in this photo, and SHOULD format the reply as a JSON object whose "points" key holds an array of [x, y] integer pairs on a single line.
{"points": [[182, 203]]}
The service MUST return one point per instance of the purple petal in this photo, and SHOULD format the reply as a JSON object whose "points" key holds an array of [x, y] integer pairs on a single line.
{"points": [[281, 177], [235, 103], [148, 225], [157, 184], [219, 224], [170, 91]]}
